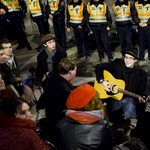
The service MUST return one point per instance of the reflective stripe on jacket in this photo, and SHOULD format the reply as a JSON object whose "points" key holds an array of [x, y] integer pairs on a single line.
{"points": [[122, 13], [97, 14], [143, 11], [53, 4], [76, 13], [34, 8], [12, 5]]}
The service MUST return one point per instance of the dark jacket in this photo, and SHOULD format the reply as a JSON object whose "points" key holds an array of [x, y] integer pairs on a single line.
{"points": [[142, 129], [2, 17], [60, 13], [108, 16], [10, 75], [85, 14], [42, 63], [71, 135], [136, 85], [135, 15], [123, 23]]}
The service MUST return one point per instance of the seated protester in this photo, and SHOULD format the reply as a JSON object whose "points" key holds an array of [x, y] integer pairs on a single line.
{"points": [[9, 91], [17, 130], [135, 78], [48, 59], [84, 126], [56, 91], [10, 67], [131, 144]]}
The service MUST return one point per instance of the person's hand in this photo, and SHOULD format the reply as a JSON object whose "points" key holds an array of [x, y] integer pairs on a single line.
{"points": [[2, 11], [27, 89], [144, 24], [91, 32], [47, 74], [141, 24], [80, 27], [142, 99], [106, 86], [107, 28], [50, 16], [68, 30], [35, 87], [132, 126]]}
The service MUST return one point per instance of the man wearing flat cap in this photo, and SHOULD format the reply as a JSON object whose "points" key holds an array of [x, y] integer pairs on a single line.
{"points": [[128, 70]]}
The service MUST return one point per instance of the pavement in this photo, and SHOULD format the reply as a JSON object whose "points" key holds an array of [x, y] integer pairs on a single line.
{"points": [[85, 68]]}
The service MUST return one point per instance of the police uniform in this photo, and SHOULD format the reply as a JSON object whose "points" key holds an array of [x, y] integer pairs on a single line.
{"points": [[99, 20], [37, 9], [123, 22], [142, 14], [16, 11], [57, 10], [77, 15]]}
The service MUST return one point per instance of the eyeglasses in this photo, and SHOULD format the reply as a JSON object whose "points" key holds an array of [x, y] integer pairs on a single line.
{"points": [[129, 58]]}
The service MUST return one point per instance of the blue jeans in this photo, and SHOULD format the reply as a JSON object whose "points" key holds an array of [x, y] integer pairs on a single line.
{"points": [[128, 105]]}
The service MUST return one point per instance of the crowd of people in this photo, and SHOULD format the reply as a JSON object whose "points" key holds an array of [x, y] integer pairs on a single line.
{"points": [[76, 118]]}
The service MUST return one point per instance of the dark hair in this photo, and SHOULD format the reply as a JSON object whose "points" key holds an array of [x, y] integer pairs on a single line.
{"points": [[10, 106], [4, 41], [65, 65], [1, 47], [135, 144]]}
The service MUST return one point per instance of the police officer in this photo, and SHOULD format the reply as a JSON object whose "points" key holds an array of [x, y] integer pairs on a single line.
{"points": [[141, 16], [77, 19], [100, 21], [57, 14], [16, 12], [123, 22], [38, 12]]}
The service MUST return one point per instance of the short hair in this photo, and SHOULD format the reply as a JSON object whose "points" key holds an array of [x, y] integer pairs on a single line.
{"points": [[65, 65], [47, 38], [1, 47], [10, 106], [4, 41], [135, 144]]}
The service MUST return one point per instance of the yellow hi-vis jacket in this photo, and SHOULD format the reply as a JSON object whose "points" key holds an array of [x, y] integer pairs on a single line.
{"points": [[76, 13], [122, 13], [12, 5], [34, 8], [143, 11], [53, 4], [97, 14]]}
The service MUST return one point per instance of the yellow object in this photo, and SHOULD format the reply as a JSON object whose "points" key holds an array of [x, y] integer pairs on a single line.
{"points": [[34, 8], [13, 5], [122, 13], [53, 4], [76, 13], [103, 94], [143, 11], [97, 14]]}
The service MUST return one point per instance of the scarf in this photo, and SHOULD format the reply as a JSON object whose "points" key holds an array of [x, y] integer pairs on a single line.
{"points": [[85, 117], [11, 65], [49, 59], [16, 122]]}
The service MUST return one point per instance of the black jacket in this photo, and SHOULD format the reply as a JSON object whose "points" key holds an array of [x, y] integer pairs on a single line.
{"points": [[123, 23], [85, 14], [2, 17], [108, 16], [135, 15], [42, 64], [10, 75], [71, 135], [138, 83], [60, 13]]}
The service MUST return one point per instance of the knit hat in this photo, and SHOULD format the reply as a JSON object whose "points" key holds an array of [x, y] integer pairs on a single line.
{"points": [[133, 51], [81, 96]]}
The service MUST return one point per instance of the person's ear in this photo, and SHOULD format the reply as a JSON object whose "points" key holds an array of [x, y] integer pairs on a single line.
{"points": [[135, 60], [45, 45], [70, 72]]}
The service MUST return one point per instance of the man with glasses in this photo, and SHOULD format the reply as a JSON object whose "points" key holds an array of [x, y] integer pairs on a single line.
{"points": [[135, 78]]}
